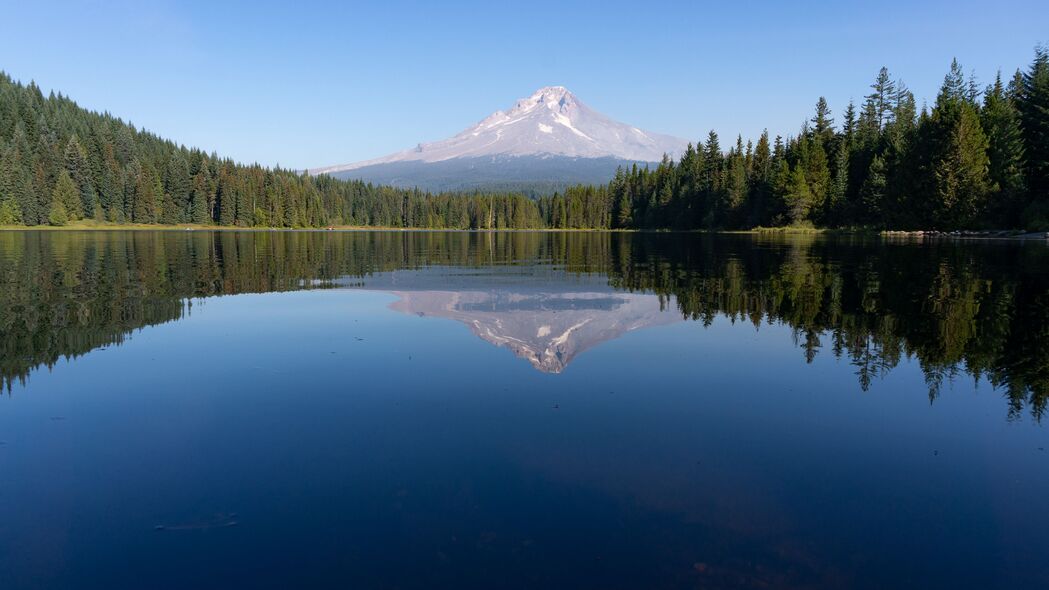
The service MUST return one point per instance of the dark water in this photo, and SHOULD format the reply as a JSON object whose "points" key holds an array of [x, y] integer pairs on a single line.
{"points": [[525, 410]]}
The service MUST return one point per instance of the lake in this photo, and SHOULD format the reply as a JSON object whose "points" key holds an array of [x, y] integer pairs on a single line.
{"points": [[521, 410]]}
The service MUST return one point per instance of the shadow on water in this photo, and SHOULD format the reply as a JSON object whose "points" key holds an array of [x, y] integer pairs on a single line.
{"points": [[960, 309]]}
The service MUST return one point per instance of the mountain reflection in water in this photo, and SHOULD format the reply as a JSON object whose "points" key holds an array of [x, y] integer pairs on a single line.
{"points": [[980, 309], [546, 322]]}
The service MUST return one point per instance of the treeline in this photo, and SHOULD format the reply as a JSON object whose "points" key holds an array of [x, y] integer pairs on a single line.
{"points": [[978, 158]]}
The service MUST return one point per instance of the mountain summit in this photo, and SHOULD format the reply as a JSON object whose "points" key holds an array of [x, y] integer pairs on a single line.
{"points": [[550, 136]]}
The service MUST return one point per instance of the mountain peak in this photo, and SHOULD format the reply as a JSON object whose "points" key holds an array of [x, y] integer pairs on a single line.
{"points": [[552, 91], [555, 98]]}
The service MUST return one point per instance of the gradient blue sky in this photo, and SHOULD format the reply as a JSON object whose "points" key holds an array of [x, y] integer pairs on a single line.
{"points": [[315, 83]]}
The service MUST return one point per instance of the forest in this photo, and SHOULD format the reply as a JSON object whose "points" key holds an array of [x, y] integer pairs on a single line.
{"points": [[977, 158]]}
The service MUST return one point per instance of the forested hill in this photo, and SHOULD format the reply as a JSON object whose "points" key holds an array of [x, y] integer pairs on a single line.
{"points": [[60, 163], [977, 158]]}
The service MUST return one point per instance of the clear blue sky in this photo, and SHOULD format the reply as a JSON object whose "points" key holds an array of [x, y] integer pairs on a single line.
{"points": [[308, 84]]}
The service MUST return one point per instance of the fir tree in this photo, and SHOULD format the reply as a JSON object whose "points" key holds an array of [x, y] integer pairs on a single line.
{"points": [[69, 197], [872, 193], [798, 197], [10, 213], [227, 200], [817, 173], [839, 185], [878, 106], [201, 197], [64, 194], [1033, 105], [959, 148], [823, 123], [177, 185], [1001, 123], [57, 215], [77, 166]]}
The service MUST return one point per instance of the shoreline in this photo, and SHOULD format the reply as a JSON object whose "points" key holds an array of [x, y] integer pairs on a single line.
{"points": [[893, 234]]}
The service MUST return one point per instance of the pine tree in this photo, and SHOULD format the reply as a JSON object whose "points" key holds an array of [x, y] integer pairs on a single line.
{"points": [[19, 180], [713, 165], [79, 171], [839, 185], [897, 149], [823, 123], [10, 213], [954, 87], [760, 182], [1001, 123], [872, 193], [817, 173], [622, 208], [177, 185], [879, 102], [57, 214], [735, 185], [227, 200], [10, 210], [142, 194], [798, 197], [68, 197], [201, 197], [959, 155], [1033, 104], [64, 194]]}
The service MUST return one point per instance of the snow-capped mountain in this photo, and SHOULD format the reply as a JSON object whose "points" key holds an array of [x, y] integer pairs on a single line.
{"points": [[534, 140]]}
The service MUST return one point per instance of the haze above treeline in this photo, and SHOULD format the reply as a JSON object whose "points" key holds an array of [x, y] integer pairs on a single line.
{"points": [[977, 158]]}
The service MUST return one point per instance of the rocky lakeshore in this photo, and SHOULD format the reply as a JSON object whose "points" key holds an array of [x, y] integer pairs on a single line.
{"points": [[969, 234]]}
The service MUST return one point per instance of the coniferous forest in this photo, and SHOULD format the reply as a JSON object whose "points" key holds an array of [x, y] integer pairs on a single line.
{"points": [[976, 158]]}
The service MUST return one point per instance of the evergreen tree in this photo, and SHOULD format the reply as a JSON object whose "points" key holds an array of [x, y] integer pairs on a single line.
{"points": [[65, 193], [835, 214], [177, 186], [227, 200], [736, 184], [760, 182], [1001, 123], [10, 213], [798, 197], [959, 148], [79, 171], [817, 173], [201, 197], [18, 181], [712, 184], [823, 123], [878, 106], [57, 215], [623, 207], [1033, 105], [872, 193]]}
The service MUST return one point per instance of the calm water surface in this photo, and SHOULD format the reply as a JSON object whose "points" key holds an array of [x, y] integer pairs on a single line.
{"points": [[521, 410]]}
